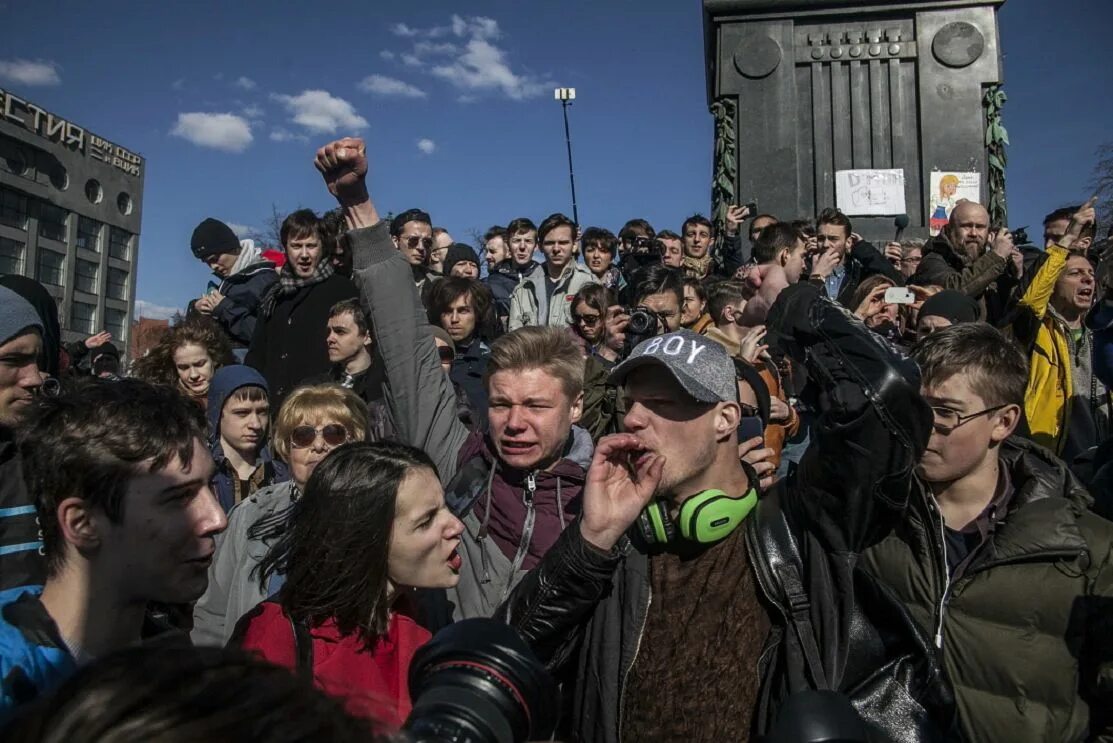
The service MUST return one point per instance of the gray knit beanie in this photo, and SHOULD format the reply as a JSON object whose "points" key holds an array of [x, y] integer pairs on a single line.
{"points": [[16, 316]]}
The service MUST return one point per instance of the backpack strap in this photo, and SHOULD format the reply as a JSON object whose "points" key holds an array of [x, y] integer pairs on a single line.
{"points": [[783, 579]]}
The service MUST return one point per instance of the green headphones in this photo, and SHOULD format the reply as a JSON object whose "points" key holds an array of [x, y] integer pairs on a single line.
{"points": [[705, 518]]}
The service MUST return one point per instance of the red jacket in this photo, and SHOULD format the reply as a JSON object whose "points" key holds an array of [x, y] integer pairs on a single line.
{"points": [[372, 683]]}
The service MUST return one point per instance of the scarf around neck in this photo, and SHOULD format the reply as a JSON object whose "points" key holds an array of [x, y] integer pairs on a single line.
{"points": [[288, 284]]}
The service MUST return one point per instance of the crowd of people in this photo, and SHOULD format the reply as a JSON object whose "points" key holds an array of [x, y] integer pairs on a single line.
{"points": [[697, 473]]}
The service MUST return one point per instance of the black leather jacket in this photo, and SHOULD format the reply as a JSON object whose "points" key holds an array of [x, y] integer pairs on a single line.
{"points": [[837, 628]]}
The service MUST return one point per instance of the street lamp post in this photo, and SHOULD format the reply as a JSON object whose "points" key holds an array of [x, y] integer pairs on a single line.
{"points": [[566, 96]]}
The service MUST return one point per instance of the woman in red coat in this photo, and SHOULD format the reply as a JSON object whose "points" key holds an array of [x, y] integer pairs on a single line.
{"points": [[371, 526]]}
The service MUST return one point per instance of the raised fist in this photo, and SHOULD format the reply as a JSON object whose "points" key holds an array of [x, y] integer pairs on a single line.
{"points": [[343, 165]]}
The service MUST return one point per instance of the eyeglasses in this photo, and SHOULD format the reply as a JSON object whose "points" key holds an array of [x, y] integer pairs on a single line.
{"points": [[586, 319], [947, 420], [334, 434], [413, 240], [445, 353]]}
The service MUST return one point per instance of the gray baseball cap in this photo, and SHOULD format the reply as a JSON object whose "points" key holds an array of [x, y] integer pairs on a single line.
{"points": [[700, 365], [17, 316]]}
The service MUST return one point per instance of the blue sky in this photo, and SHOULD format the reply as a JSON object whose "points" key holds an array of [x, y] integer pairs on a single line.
{"points": [[228, 101]]}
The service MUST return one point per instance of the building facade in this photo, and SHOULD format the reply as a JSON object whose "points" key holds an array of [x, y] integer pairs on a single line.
{"points": [[70, 209]]}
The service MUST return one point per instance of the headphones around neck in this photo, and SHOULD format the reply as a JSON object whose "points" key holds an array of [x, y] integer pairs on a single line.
{"points": [[705, 518]]}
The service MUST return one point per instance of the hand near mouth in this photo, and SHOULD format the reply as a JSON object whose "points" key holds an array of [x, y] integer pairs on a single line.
{"points": [[620, 482]]}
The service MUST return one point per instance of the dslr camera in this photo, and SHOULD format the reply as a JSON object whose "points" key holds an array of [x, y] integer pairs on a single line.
{"points": [[642, 245], [644, 324]]}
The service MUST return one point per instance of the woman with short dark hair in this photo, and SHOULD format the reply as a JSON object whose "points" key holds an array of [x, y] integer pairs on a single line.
{"points": [[465, 309], [371, 527]]}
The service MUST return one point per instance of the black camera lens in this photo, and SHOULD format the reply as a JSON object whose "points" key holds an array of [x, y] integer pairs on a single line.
{"points": [[642, 322], [477, 681]]}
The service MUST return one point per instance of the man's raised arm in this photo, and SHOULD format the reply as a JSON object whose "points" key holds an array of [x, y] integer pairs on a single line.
{"points": [[417, 390]]}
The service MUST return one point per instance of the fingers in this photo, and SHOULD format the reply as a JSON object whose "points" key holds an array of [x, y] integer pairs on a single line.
{"points": [[749, 445], [618, 444]]}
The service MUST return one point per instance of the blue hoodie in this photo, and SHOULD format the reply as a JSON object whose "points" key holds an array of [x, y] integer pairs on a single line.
{"points": [[227, 380]]}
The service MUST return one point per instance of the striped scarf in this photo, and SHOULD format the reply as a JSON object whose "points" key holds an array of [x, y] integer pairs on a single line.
{"points": [[288, 284]]}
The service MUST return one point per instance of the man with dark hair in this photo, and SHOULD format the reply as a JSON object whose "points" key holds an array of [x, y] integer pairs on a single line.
{"points": [[759, 223], [21, 348], [544, 296], [1055, 227], [672, 249], [244, 275], [503, 278], [780, 255], [465, 309], [998, 556], [969, 256], [289, 345], [661, 290], [121, 474], [698, 234], [843, 260], [412, 232], [495, 248]]}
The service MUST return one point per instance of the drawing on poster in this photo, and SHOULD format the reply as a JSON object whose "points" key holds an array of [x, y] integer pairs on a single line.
{"points": [[870, 192], [947, 188]]}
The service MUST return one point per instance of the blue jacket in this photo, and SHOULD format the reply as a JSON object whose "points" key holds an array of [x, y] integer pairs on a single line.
{"points": [[503, 280], [243, 291], [33, 657], [225, 381]]}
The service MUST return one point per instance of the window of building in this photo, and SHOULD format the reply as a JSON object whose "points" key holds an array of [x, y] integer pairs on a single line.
{"points": [[85, 276], [13, 209], [82, 317], [52, 222], [116, 323], [123, 203], [117, 284], [119, 243], [11, 256], [93, 191], [51, 267], [88, 234]]}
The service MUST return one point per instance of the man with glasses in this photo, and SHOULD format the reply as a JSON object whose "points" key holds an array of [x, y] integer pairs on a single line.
{"points": [[998, 556], [412, 232]]}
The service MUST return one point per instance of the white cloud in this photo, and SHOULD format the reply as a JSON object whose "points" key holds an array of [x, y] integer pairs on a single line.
{"points": [[278, 134], [383, 85], [242, 231], [28, 72], [244, 82], [252, 111], [143, 308], [483, 67], [427, 146], [386, 54], [321, 113], [227, 132], [178, 84], [475, 65]]}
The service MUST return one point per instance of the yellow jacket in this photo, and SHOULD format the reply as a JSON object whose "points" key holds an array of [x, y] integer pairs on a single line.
{"points": [[1048, 395]]}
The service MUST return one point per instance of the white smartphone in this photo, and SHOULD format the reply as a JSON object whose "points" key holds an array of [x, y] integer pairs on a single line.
{"points": [[899, 295]]}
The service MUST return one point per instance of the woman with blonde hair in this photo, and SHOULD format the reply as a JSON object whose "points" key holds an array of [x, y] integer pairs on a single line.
{"points": [[312, 422]]}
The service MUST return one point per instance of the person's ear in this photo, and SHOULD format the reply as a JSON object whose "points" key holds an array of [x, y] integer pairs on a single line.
{"points": [[782, 258], [727, 419], [1007, 420], [727, 314], [577, 408], [77, 525]]}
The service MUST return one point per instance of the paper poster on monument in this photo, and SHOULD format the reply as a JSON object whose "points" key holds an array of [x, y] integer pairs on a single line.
{"points": [[947, 188], [870, 192]]}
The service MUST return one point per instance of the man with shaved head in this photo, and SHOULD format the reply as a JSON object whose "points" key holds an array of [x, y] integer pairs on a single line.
{"points": [[973, 257]]}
